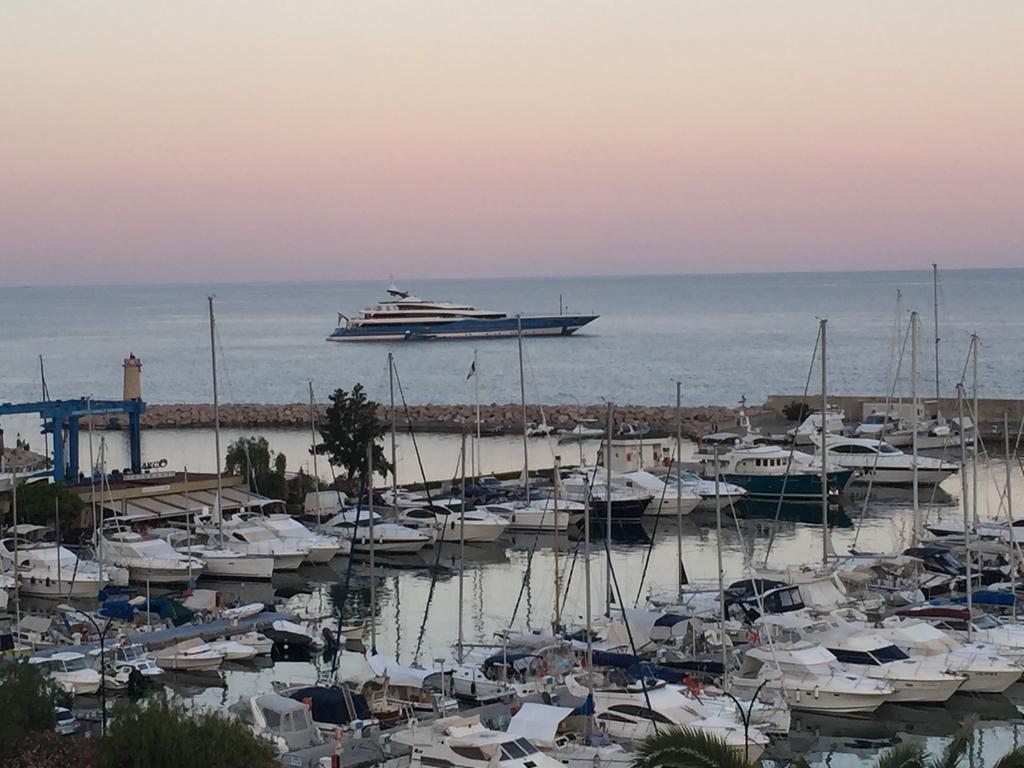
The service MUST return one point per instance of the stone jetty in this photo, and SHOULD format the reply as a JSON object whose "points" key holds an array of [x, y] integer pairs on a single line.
{"points": [[494, 418]]}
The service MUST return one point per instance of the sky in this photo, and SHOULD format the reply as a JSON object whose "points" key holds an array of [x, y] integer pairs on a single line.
{"points": [[265, 140]]}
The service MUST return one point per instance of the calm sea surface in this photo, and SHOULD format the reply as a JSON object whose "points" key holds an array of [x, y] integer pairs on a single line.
{"points": [[722, 335]]}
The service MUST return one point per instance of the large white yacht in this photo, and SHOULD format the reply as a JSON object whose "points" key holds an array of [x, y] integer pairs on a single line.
{"points": [[48, 570], [147, 558], [404, 316], [883, 464]]}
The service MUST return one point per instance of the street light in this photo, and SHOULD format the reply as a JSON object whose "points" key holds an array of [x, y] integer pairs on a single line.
{"points": [[102, 634]]}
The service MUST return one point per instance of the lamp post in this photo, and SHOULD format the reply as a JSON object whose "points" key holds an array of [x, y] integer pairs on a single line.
{"points": [[102, 634], [745, 715]]}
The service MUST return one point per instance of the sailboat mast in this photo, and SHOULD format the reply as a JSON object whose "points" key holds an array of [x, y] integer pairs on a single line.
{"points": [[216, 426], [721, 572], [966, 511], [589, 602], [915, 491], [974, 432], [935, 308], [522, 399], [316, 471], [17, 580], [476, 393], [462, 545], [679, 486], [394, 432], [558, 577], [1010, 514], [373, 559], [824, 443], [608, 511]]}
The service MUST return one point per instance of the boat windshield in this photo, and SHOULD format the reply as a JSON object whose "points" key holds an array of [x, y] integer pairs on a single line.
{"points": [[877, 418], [889, 653], [886, 448], [987, 622], [75, 665]]}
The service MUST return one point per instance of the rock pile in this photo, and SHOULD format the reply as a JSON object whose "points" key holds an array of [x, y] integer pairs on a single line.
{"points": [[494, 418]]}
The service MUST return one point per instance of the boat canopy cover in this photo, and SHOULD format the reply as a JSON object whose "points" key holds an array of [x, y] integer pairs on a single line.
{"points": [[399, 675], [538, 722], [515, 660], [329, 705]]}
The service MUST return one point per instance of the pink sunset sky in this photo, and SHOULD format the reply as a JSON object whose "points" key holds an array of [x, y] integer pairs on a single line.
{"points": [[194, 141]]}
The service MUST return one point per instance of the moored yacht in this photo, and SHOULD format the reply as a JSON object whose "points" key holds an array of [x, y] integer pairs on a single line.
{"points": [[771, 471], [147, 558], [810, 678], [538, 514], [48, 570], [405, 316], [353, 526], [320, 548], [69, 671], [882, 464]]}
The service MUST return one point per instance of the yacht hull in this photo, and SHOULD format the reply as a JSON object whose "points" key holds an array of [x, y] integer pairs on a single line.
{"points": [[797, 487], [239, 567], [553, 325]]}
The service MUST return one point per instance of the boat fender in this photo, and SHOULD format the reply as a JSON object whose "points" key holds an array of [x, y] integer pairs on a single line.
{"points": [[514, 709], [752, 637], [817, 692]]}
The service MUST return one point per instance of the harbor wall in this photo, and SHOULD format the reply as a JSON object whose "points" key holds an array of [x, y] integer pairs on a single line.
{"points": [[494, 418]]}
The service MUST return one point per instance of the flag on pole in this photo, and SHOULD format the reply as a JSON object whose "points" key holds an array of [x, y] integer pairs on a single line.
{"points": [[472, 371]]}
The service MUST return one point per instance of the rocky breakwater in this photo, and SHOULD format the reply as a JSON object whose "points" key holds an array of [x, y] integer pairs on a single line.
{"points": [[495, 419]]}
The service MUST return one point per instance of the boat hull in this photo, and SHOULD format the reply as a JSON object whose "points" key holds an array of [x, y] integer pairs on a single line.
{"points": [[553, 325], [797, 487], [239, 567]]}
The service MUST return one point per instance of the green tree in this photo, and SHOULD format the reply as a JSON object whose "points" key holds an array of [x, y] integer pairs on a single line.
{"points": [[162, 733], [26, 701], [351, 426], [38, 503], [262, 468]]}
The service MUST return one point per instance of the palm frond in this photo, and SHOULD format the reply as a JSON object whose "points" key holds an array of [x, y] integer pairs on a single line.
{"points": [[687, 748], [957, 746], [902, 756], [1012, 759]]}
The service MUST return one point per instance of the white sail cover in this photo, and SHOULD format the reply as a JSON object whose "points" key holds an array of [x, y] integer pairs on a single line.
{"points": [[385, 666], [538, 723]]}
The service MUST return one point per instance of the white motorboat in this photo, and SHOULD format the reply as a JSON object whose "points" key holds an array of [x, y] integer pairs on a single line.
{"points": [[666, 501], [69, 671], [704, 487], [191, 655], [585, 429], [463, 742], [321, 548], [257, 540], [538, 514], [354, 526], [48, 570], [233, 650], [147, 558], [473, 525], [880, 463], [591, 487], [986, 670], [1006, 638], [878, 425], [810, 678], [218, 562], [636, 711], [547, 727], [123, 660], [257, 640], [862, 652], [811, 426]]}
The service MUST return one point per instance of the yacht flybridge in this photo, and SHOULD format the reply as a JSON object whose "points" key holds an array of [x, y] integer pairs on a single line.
{"points": [[404, 316]]}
